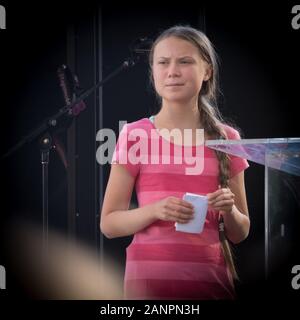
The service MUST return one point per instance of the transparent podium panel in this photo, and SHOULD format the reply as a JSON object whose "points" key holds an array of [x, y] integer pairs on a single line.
{"points": [[283, 225], [281, 158]]}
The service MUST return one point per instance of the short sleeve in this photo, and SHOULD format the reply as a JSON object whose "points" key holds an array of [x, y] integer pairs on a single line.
{"points": [[237, 164], [124, 154]]}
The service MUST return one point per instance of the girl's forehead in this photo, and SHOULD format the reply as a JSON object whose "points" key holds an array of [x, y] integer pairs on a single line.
{"points": [[175, 46]]}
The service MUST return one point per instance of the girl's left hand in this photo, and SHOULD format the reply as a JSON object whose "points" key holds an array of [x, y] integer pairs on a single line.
{"points": [[221, 200]]}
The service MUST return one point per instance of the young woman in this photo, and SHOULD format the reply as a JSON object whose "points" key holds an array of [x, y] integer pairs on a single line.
{"points": [[163, 263]]}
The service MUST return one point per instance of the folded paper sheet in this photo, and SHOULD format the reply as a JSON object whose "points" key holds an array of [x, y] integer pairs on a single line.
{"points": [[197, 223]]}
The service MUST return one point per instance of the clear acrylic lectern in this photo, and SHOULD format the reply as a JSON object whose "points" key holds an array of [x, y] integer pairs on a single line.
{"points": [[281, 158]]}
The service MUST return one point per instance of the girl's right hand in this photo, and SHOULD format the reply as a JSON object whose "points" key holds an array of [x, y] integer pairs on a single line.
{"points": [[173, 209]]}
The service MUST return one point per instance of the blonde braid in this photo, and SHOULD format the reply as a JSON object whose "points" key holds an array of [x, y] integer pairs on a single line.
{"points": [[209, 117]]}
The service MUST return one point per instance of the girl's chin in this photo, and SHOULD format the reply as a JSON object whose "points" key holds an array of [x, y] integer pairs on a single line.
{"points": [[177, 98]]}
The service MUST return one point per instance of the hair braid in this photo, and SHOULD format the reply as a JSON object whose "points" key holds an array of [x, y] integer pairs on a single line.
{"points": [[209, 117]]}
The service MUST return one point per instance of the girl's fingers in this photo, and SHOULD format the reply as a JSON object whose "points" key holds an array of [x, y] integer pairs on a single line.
{"points": [[223, 203], [221, 196], [179, 213], [213, 195], [181, 209], [186, 204]]}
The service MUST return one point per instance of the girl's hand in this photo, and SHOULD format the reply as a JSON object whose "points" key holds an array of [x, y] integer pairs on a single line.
{"points": [[174, 209], [221, 200]]}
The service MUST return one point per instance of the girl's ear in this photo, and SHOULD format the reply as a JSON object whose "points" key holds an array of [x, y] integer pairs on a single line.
{"points": [[208, 73]]}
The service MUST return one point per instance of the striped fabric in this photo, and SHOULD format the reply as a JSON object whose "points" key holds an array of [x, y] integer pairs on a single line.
{"points": [[162, 263]]}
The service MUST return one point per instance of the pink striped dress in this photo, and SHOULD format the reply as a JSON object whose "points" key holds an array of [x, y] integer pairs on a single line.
{"points": [[162, 263]]}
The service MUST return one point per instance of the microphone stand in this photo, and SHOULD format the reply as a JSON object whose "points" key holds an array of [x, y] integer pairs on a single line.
{"points": [[45, 141]]}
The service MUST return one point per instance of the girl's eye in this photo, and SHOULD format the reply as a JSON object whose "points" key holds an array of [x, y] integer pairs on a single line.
{"points": [[181, 62]]}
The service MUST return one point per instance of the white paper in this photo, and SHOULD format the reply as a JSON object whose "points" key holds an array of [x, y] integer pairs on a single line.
{"points": [[197, 223]]}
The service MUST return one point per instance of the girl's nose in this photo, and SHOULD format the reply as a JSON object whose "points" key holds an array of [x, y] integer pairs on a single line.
{"points": [[174, 70]]}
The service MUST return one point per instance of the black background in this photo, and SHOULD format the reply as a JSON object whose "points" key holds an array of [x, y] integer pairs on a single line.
{"points": [[259, 53]]}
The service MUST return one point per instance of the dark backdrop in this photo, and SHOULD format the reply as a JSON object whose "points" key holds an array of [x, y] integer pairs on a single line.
{"points": [[259, 71]]}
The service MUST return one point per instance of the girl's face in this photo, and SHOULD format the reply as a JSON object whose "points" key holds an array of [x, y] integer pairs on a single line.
{"points": [[178, 70]]}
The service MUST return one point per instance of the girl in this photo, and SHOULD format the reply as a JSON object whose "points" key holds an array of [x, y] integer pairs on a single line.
{"points": [[163, 263]]}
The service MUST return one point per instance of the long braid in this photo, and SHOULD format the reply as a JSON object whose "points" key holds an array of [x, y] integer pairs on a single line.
{"points": [[210, 121]]}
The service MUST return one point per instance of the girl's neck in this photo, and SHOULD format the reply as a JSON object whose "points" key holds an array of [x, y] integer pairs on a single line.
{"points": [[176, 115]]}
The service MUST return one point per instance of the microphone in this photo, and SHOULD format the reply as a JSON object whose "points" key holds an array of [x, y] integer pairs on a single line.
{"points": [[69, 84], [141, 46]]}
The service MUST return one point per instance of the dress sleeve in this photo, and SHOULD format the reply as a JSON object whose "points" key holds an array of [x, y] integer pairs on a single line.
{"points": [[124, 154], [237, 164]]}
